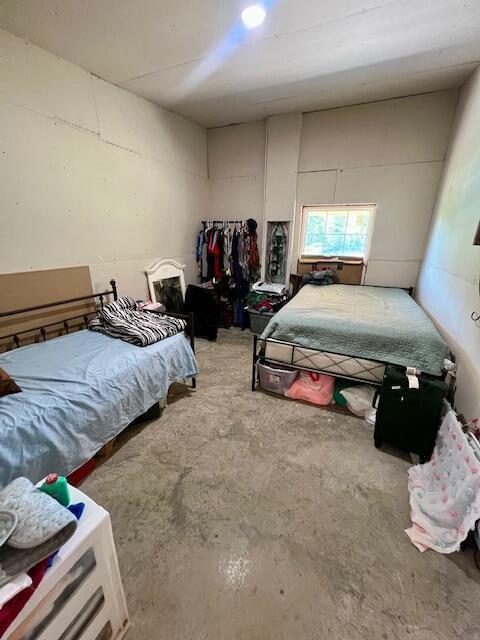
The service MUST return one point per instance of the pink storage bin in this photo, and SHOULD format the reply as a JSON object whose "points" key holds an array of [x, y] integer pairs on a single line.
{"points": [[312, 387]]}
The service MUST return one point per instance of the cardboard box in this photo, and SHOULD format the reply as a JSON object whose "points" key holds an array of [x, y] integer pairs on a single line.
{"points": [[349, 271]]}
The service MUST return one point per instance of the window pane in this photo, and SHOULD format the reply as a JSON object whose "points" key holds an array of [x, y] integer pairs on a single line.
{"points": [[336, 232], [336, 222], [316, 222], [314, 245], [358, 222], [333, 245], [354, 245], [315, 232]]}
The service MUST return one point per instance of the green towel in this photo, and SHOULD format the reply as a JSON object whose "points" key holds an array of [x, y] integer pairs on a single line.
{"points": [[340, 385]]}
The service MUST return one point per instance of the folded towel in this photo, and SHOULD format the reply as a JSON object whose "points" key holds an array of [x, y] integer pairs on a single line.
{"points": [[43, 526]]}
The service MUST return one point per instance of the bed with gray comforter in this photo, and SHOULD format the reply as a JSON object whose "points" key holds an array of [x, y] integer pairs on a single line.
{"points": [[373, 323]]}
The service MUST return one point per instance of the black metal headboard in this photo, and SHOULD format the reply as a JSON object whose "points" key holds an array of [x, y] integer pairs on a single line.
{"points": [[65, 323]]}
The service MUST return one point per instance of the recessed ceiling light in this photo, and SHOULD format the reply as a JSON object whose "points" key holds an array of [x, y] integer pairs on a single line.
{"points": [[253, 16]]}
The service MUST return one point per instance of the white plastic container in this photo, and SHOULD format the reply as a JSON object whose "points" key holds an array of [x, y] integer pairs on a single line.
{"points": [[81, 595]]}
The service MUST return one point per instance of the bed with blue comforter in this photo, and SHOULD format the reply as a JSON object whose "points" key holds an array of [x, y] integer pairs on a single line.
{"points": [[78, 392]]}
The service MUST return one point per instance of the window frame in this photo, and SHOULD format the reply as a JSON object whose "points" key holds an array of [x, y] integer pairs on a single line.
{"points": [[371, 207]]}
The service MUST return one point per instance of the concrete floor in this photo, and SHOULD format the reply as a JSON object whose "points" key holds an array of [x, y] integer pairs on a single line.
{"points": [[243, 516]]}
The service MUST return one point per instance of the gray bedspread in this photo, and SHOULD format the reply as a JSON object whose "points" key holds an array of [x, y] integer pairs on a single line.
{"points": [[375, 323]]}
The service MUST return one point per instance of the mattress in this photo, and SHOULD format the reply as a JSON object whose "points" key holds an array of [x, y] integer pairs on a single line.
{"points": [[372, 325], [78, 392]]}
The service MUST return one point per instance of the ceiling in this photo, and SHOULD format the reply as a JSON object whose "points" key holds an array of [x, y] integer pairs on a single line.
{"points": [[194, 56]]}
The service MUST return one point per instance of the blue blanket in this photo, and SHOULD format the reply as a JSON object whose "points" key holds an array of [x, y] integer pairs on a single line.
{"points": [[79, 392]]}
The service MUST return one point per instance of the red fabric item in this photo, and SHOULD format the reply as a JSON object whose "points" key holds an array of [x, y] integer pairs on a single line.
{"points": [[254, 254], [12, 608], [214, 248], [79, 475], [216, 260], [265, 305]]}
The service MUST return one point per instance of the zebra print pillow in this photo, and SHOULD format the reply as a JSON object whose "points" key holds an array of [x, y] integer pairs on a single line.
{"points": [[121, 319]]}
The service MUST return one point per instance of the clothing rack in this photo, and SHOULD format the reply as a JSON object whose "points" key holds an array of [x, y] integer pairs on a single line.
{"points": [[227, 257], [224, 222]]}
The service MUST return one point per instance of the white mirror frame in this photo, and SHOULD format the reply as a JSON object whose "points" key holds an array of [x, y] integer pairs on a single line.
{"points": [[163, 270]]}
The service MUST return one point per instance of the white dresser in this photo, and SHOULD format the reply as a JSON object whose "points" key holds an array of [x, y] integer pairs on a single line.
{"points": [[81, 595]]}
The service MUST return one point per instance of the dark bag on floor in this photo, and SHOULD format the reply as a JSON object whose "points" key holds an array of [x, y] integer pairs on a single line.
{"points": [[203, 304], [409, 418]]}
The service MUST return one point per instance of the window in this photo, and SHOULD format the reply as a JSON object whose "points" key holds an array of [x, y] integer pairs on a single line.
{"points": [[337, 230]]}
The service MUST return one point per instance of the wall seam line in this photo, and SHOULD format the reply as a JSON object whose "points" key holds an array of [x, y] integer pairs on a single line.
{"points": [[96, 134], [373, 166], [95, 105]]}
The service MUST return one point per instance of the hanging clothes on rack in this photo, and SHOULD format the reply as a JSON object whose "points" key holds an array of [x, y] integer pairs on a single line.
{"points": [[227, 249], [253, 255], [220, 245], [227, 255]]}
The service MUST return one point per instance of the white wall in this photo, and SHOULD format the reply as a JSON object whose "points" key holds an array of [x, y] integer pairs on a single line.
{"points": [[390, 153], [283, 139], [236, 167], [92, 175], [448, 286]]}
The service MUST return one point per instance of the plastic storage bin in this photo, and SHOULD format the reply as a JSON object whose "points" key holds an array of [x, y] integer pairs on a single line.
{"points": [[276, 379], [259, 320]]}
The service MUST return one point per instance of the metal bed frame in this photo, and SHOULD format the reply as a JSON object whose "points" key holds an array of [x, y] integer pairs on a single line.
{"points": [[260, 356], [256, 356], [42, 328], [64, 324]]}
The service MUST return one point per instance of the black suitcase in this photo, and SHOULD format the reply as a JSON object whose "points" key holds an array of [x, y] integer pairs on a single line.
{"points": [[409, 418]]}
